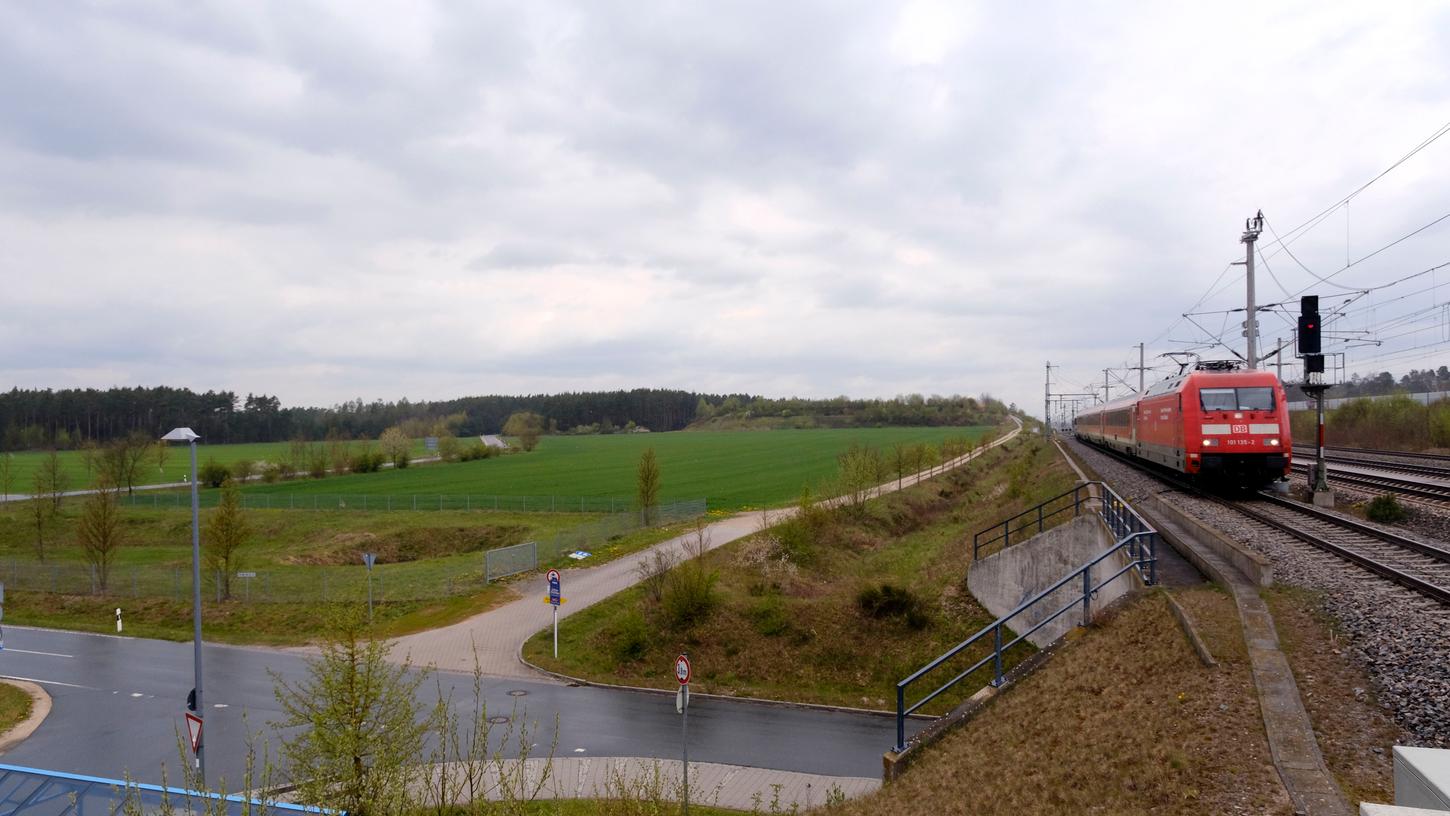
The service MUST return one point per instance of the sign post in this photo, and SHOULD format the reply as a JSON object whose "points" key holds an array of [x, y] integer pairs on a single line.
{"points": [[193, 731], [683, 672], [555, 598], [368, 559]]}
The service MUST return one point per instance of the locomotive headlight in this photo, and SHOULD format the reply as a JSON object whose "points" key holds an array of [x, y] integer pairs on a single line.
{"points": [[1272, 442], [1210, 443]]}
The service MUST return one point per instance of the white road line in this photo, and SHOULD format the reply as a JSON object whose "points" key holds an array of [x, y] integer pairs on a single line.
{"points": [[46, 654], [47, 682]]}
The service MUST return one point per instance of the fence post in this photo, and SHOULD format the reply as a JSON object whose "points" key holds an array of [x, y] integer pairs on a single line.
{"points": [[1087, 594], [900, 718], [997, 655], [1153, 559]]}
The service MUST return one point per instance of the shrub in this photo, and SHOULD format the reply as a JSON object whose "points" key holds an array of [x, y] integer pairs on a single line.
{"points": [[402, 461], [317, 463], [271, 472], [770, 617], [1386, 509], [888, 601], [213, 473], [368, 461], [243, 469], [629, 637], [689, 594]]}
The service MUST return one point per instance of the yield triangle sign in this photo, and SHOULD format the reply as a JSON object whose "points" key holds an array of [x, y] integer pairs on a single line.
{"points": [[193, 730]]}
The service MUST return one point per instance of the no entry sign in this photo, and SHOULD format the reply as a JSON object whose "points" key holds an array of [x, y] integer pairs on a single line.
{"points": [[682, 669]]}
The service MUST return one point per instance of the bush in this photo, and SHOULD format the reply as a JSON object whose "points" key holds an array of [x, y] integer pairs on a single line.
{"points": [[689, 594], [629, 637], [888, 601], [213, 473], [1386, 509], [271, 472], [317, 463], [770, 617], [402, 461], [368, 462], [243, 469]]}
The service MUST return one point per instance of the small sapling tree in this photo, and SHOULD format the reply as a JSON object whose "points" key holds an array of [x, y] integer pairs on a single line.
{"points": [[100, 532], [7, 473], [353, 728], [226, 534], [647, 485], [51, 480], [120, 461]]}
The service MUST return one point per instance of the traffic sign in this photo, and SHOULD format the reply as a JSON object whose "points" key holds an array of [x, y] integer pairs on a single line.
{"points": [[193, 730], [369, 559], [682, 669], [554, 588]]}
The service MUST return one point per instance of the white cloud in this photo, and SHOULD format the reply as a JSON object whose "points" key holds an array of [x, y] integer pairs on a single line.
{"points": [[431, 201]]}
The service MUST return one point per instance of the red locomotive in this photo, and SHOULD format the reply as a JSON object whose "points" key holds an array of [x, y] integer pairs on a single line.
{"points": [[1216, 422]]}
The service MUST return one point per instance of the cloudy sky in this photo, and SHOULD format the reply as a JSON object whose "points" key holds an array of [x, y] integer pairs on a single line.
{"points": [[328, 201]]}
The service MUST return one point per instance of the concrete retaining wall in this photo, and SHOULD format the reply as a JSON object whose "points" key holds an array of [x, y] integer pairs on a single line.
{"points": [[1173, 523], [1004, 580]]}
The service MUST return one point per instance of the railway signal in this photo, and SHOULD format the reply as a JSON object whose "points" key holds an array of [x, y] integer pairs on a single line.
{"points": [[1309, 325]]}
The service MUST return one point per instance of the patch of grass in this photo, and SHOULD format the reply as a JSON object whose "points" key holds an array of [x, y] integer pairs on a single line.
{"points": [[1123, 720], [1348, 722], [1385, 509], [15, 705], [732, 470], [788, 628]]}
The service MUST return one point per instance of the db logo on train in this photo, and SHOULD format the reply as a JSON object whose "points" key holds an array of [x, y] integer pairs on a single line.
{"points": [[1241, 429]]}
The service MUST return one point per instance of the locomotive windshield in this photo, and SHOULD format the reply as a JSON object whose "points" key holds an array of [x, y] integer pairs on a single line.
{"points": [[1237, 399]]}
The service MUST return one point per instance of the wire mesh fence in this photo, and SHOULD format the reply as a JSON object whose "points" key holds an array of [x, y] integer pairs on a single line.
{"points": [[403, 581], [172, 499]]}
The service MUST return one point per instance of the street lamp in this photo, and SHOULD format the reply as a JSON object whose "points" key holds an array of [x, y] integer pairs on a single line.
{"points": [[189, 436]]}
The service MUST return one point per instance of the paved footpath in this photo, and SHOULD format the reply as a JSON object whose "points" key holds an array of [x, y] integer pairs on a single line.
{"points": [[496, 636]]}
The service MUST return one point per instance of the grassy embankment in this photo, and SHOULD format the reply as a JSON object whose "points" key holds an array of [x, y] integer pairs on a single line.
{"points": [[176, 466], [429, 571], [733, 470], [1392, 423], [791, 614]]}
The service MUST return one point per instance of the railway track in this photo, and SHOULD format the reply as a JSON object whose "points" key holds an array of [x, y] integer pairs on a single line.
{"points": [[1414, 565], [1385, 482], [1425, 464]]}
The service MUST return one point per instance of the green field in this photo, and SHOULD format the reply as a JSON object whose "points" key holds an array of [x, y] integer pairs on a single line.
{"points": [[732, 470], [176, 467]]}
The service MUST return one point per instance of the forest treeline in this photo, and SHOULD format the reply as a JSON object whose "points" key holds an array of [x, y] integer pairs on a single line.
{"points": [[33, 419]]}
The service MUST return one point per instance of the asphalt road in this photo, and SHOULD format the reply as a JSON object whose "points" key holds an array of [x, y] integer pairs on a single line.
{"points": [[118, 705]]}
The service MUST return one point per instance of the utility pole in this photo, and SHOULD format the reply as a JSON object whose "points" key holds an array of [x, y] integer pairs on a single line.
{"points": [[1047, 404], [1279, 357], [1107, 393], [1141, 369], [1252, 228]]}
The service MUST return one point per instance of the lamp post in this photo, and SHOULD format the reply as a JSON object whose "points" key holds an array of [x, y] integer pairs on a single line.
{"points": [[189, 436]]}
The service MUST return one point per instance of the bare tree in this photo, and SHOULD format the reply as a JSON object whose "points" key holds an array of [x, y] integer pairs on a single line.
{"points": [[121, 460], [159, 451], [100, 531], [652, 570], [226, 534], [7, 473], [647, 485], [39, 513], [51, 479]]}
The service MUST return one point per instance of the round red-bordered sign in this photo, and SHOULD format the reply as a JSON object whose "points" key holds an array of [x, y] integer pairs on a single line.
{"points": [[552, 576], [682, 669]]}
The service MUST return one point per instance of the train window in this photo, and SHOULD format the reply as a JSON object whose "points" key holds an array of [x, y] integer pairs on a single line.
{"points": [[1237, 399], [1218, 399], [1256, 399]]}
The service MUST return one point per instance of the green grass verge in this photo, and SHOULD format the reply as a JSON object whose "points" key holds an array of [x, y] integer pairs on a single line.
{"points": [[786, 623], [429, 573], [14, 706], [732, 470]]}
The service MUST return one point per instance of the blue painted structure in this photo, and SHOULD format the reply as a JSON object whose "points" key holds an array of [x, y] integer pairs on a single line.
{"points": [[35, 792]]}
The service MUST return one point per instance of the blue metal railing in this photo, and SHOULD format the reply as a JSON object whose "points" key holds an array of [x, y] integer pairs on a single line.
{"points": [[1033, 520], [1136, 538]]}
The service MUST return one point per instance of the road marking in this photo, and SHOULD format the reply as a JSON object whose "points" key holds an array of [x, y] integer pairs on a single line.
{"points": [[218, 705], [47, 682], [46, 654]]}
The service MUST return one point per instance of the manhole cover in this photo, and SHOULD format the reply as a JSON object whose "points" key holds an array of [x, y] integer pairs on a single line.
{"points": [[518, 693], [498, 720]]}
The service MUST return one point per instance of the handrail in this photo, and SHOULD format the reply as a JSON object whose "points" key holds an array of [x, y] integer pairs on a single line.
{"points": [[1003, 530], [1135, 536]]}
